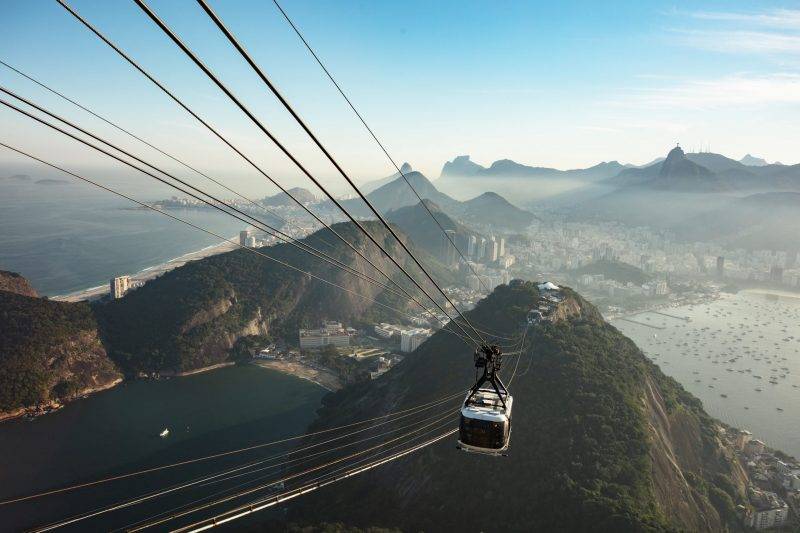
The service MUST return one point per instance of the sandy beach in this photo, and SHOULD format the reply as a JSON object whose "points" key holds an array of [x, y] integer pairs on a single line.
{"points": [[324, 378], [149, 272]]}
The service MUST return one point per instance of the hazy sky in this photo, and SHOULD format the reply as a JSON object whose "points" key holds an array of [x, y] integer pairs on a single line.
{"points": [[564, 84]]}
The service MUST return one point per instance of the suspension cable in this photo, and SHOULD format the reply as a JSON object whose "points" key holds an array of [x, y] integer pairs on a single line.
{"points": [[287, 265], [323, 476], [259, 478], [156, 148], [287, 478], [220, 476], [377, 141], [166, 91], [261, 504], [259, 71], [251, 220], [305, 171]]}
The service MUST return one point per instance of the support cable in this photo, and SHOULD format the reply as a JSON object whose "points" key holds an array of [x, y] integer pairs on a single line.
{"points": [[284, 479], [220, 476], [271, 501], [251, 220], [377, 141], [180, 103], [154, 147], [302, 168]]}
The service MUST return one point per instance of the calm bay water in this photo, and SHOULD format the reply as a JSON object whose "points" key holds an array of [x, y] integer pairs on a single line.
{"points": [[117, 431], [65, 237], [740, 355]]}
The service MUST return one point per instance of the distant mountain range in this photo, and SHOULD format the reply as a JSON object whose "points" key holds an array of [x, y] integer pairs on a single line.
{"points": [[758, 221], [676, 172], [488, 209], [370, 186], [708, 172], [396, 193], [491, 209], [415, 222], [752, 161], [303, 195], [463, 167]]}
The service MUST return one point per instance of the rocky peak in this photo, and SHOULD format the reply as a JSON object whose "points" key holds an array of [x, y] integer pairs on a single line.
{"points": [[461, 166], [678, 165], [13, 282]]}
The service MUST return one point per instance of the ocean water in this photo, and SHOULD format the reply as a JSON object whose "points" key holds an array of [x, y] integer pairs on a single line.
{"points": [[116, 431], [740, 355], [68, 237]]}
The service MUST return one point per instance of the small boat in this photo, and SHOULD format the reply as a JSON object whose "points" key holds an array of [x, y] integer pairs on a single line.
{"points": [[164, 433]]}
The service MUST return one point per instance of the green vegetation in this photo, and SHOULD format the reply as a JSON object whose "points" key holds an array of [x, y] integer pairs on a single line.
{"points": [[615, 270], [191, 317], [209, 311], [350, 370], [423, 232], [35, 339], [580, 455]]}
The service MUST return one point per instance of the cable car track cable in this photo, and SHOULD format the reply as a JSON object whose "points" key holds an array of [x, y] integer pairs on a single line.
{"points": [[147, 143], [377, 141], [177, 100], [305, 171], [261, 74], [246, 492], [252, 220], [205, 478]]}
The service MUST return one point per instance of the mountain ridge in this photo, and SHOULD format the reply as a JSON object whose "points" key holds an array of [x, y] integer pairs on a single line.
{"points": [[463, 166], [602, 440]]}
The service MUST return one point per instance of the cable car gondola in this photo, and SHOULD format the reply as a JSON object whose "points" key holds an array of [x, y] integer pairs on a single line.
{"points": [[485, 425]]}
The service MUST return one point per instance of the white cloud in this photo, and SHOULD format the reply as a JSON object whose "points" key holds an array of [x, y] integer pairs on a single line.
{"points": [[741, 41], [738, 91], [775, 18]]}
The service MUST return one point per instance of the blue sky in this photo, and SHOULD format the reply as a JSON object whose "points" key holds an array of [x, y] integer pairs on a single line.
{"points": [[564, 84]]}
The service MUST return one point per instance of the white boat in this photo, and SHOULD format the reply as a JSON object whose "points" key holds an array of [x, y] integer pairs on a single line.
{"points": [[164, 433]]}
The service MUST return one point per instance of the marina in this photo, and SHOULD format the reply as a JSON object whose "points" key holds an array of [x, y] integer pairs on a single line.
{"points": [[739, 354]]}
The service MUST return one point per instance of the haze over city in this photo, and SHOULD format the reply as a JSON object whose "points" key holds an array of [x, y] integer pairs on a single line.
{"points": [[617, 82]]}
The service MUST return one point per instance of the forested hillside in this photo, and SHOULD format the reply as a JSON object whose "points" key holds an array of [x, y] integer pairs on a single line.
{"points": [[49, 351], [191, 317], [614, 270], [601, 441]]}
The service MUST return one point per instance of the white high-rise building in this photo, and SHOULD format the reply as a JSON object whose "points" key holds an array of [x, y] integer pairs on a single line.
{"points": [[410, 339], [243, 235], [331, 333], [251, 242], [502, 251], [471, 244], [119, 286], [480, 251], [493, 250]]}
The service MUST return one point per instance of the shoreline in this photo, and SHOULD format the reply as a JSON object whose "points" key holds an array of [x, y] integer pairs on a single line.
{"points": [[772, 292], [324, 378], [148, 273], [56, 405], [201, 370]]}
